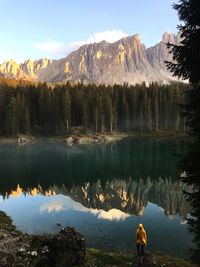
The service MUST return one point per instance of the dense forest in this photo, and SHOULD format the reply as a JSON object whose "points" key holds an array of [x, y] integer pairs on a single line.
{"points": [[28, 108]]}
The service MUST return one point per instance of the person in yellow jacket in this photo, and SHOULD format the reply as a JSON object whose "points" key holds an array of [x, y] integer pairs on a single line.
{"points": [[141, 240]]}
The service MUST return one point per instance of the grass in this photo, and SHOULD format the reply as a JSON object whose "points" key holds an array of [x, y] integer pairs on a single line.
{"points": [[5, 220], [100, 258]]}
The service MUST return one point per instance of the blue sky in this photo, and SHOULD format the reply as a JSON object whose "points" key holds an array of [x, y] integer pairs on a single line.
{"points": [[52, 28]]}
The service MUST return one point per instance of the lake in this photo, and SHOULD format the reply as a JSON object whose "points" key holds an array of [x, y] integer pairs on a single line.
{"points": [[103, 190]]}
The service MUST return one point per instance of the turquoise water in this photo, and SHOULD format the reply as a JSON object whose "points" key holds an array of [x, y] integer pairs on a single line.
{"points": [[104, 190]]}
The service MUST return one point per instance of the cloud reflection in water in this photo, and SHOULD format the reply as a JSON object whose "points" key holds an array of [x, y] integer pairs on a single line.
{"points": [[65, 203]]}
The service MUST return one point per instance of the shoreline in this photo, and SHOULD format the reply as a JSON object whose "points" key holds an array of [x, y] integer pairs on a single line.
{"points": [[87, 138], [19, 249]]}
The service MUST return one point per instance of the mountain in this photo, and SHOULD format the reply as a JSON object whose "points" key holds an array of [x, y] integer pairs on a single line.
{"points": [[29, 70], [157, 54], [11, 69], [124, 61]]}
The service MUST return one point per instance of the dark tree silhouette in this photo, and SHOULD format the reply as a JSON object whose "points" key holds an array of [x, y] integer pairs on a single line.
{"points": [[186, 65], [56, 110]]}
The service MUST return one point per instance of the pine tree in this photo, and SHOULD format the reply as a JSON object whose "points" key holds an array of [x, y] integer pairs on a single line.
{"points": [[3, 93], [45, 109], [66, 110], [27, 127], [12, 118], [85, 116], [186, 66]]}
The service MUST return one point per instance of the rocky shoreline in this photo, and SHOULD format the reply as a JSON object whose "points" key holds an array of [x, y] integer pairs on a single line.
{"points": [[72, 139], [67, 248], [79, 138]]}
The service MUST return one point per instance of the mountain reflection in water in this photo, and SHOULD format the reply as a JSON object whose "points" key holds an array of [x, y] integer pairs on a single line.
{"points": [[127, 196], [103, 190]]}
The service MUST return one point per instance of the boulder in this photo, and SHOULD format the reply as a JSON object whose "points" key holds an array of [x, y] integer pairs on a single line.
{"points": [[69, 140], [25, 140], [67, 248]]}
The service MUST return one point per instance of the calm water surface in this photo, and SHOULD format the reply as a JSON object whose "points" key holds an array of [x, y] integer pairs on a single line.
{"points": [[104, 190]]}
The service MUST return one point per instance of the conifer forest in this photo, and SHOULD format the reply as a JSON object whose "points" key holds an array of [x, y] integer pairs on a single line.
{"points": [[28, 108]]}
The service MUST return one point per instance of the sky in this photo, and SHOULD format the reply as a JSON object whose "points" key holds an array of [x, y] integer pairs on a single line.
{"points": [[34, 29]]}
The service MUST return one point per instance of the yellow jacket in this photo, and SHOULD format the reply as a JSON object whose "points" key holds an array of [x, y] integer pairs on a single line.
{"points": [[141, 237]]}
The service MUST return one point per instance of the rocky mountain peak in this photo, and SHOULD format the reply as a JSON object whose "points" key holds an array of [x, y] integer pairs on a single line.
{"points": [[11, 69], [137, 37], [134, 40], [124, 61], [170, 38], [9, 64]]}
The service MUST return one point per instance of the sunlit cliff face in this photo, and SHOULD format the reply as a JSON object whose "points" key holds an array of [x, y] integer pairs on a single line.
{"points": [[126, 60], [28, 70]]}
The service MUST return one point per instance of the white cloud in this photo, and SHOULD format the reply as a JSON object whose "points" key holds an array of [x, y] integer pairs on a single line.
{"points": [[109, 36], [56, 49]]}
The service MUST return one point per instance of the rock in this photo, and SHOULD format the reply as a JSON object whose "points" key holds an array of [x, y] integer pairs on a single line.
{"points": [[25, 140], [34, 253], [20, 251], [124, 61], [29, 69], [45, 249], [67, 248], [84, 140], [69, 140]]}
